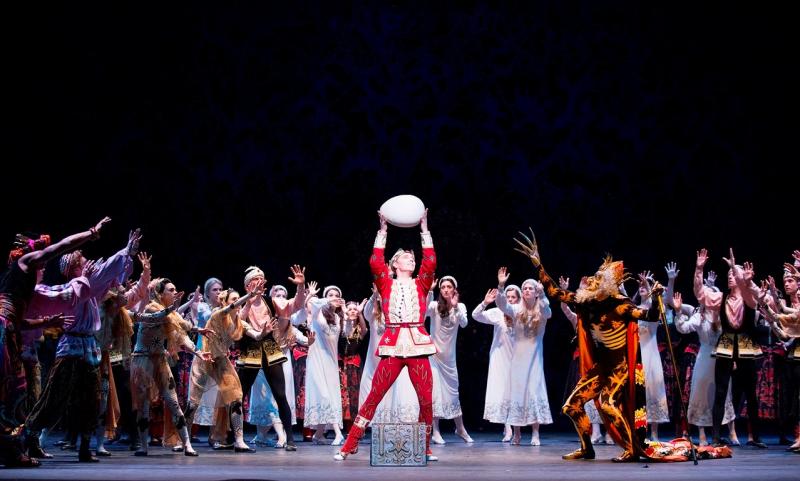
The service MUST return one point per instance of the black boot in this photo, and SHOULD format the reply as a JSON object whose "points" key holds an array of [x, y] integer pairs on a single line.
{"points": [[84, 454]]}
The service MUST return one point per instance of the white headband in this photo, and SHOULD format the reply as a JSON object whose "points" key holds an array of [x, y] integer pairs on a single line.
{"points": [[277, 287], [251, 273], [448, 278], [328, 289], [514, 287], [535, 283]]}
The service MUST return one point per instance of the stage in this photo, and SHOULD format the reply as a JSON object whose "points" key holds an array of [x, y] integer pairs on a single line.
{"points": [[487, 458]]}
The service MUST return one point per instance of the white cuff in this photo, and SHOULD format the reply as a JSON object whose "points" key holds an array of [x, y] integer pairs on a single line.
{"points": [[427, 240], [380, 240]]}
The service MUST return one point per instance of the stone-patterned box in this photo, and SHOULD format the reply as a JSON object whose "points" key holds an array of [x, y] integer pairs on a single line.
{"points": [[398, 444]]}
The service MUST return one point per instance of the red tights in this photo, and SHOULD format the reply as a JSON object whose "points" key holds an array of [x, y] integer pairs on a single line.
{"points": [[419, 370]]}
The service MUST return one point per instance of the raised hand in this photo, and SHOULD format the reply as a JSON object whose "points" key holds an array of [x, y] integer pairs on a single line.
{"points": [[677, 301], [763, 290], [645, 278], [656, 290], [502, 276], [730, 260], [361, 306], [89, 269], [672, 270], [312, 289], [423, 221], [298, 275], [563, 282], [133, 241], [144, 259], [454, 299], [336, 302], [702, 257], [382, 220], [529, 248], [749, 271], [175, 305], [206, 356], [711, 279], [195, 297], [796, 256], [105, 220], [490, 296]]}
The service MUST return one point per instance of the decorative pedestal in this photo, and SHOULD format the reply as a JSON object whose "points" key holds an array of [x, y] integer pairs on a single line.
{"points": [[398, 444]]}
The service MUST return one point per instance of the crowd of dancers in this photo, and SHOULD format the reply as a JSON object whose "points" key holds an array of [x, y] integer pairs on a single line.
{"points": [[119, 358]]}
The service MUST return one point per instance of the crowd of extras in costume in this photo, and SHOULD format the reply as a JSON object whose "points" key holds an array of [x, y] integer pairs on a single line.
{"points": [[109, 357]]}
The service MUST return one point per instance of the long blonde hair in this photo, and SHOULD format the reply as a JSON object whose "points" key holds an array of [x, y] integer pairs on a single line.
{"points": [[530, 318]]}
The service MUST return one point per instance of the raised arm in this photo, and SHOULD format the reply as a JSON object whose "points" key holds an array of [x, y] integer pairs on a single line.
{"points": [[427, 270], [138, 292], [744, 277], [479, 313], [628, 310], [377, 261], [705, 295], [115, 266], [362, 323], [298, 302], [503, 305], [672, 272], [36, 259]]}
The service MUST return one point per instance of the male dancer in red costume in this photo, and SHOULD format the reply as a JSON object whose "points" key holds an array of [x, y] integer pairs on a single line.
{"points": [[405, 343]]}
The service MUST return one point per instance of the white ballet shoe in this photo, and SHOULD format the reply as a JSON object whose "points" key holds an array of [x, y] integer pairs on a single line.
{"points": [[535, 440], [431, 457], [465, 436], [597, 440], [338, 441], [436, 438], [339, 456]]}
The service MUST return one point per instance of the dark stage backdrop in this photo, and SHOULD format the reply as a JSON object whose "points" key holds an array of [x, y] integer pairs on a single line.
{"points": [[269, 136]]}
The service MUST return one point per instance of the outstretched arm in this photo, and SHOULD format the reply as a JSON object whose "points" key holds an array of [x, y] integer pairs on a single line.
{"points": [[377, 262], [298, 278], [427, 270], [530, 249], [36, 259]]}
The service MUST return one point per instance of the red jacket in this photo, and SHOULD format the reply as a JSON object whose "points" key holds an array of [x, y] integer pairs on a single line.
{"points": [[404, 337]]}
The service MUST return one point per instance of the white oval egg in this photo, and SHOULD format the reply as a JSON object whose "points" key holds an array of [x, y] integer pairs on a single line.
{"points": [[403, 210]]}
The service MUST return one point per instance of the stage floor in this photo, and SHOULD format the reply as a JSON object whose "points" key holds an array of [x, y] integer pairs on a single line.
{"points": [[487, 458]]}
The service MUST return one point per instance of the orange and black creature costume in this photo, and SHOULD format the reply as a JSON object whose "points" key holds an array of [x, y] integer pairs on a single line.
{"points": [[610, 366]]}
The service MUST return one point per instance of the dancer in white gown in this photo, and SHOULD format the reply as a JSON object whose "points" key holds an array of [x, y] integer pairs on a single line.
{"points": [[529, 402], [400, 404], [701, 397], [498, 379], [447, 315], [323, 390], [655, 389]]}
